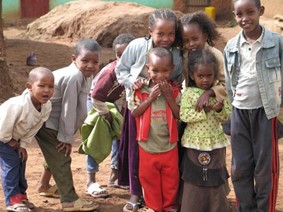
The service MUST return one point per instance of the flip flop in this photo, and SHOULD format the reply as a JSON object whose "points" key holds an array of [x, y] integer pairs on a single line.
{"points": [[18, 207], [119, 186], [51, 192], [145, 209], [131, 207], [29, 204], [81, 205], [95, 190]]}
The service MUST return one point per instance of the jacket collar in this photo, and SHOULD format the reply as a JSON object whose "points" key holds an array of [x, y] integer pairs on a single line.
{"points": [[267, 41]]}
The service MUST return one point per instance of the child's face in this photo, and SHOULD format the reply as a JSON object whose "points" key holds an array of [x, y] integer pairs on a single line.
{"points": [[119, 49], [41, 89], [203, 76], [247, 15], [163, 33], [159, 68], [193, 37], [87, 62]]}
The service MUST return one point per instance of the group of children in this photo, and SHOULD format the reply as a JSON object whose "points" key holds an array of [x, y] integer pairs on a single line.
{"points": [[152, 70]]}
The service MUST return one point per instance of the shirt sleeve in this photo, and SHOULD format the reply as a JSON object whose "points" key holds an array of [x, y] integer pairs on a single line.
{"points": [[219, 85], [177, 74], [10, 113], [188, 113], [133, 102], [228, 84], [39, 120], [68, 115], [100, 107], [123, 68], [226, 112], [104, 83]]}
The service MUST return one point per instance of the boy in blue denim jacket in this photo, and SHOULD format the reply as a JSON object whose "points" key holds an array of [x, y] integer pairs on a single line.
{"points": [[253, 62]]}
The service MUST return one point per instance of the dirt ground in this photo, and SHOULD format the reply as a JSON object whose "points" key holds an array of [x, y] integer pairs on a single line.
{"points": [[55, 55]]}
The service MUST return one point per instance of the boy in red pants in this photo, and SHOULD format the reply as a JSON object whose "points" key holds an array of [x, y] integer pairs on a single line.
{"points": [[156, 109]]}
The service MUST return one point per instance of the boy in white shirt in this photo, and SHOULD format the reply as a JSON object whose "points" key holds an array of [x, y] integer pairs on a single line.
{"points": [[20, 119]]}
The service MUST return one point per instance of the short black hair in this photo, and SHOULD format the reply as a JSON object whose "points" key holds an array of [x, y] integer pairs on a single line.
{"points": [[161, 52], [86, 44], [201, 57], [257, 3], [122, 39], [34, 74]]}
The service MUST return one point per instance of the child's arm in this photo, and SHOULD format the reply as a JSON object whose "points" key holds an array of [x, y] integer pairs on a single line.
{"points": [[36, 124], [22, 152], [71, 89], [123, 68], [139, 110], [223, 110], [228, 82], [167, 92], [218, 89], [219, 85], [14, 143], [280, 116], [188, 113], [104, 85], [10, 113]]}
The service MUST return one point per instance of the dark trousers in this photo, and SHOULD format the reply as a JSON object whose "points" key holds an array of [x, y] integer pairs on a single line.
{"points": [[58, 163], [254, 150], [129, 155], [13, 172]]}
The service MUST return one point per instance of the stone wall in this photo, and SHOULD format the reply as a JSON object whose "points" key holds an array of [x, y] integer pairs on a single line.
{"points": [[223, 8], [272, 8]]}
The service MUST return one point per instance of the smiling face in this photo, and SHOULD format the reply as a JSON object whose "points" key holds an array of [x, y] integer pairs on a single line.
{"points": [[87, 62], [163, 33], [203, 75], [247, 15], [41, 88], [193, 37], [159, 68]]}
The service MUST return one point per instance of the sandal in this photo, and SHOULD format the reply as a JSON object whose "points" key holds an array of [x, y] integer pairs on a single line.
{"points": [[145, 209], [81, 205], [18, 207], [130, 206], [29, 204], [119, 186], [95, 190], [51, 192]]}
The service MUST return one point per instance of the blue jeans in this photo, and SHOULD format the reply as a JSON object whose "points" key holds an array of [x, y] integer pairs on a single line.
{"points": [[93, 167], [13, 172]]}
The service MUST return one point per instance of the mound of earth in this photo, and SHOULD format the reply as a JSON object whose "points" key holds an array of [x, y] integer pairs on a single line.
{"points": [[102, 21]]}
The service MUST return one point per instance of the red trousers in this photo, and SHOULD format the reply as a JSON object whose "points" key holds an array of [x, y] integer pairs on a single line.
{"points": [[159, 177]]}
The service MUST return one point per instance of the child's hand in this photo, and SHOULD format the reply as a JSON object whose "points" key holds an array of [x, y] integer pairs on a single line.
{"points": [[178, 84], [155, 92], [203, 100], [65, 148], [207, 108], [138, 84], [23, 153], [14, 144], [166, 89], [218, 106], [108, 117]]}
